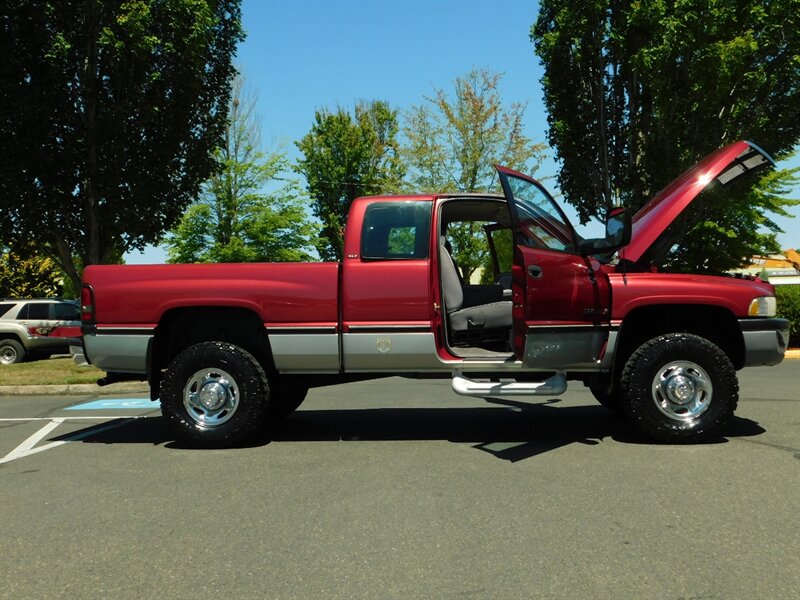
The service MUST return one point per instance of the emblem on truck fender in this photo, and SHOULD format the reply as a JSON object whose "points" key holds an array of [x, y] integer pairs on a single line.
{"points": [[384, 344]]}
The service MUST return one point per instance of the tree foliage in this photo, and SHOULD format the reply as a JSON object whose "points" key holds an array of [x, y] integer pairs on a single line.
{"points": [[346, 156], [109, 112], [23, 276], [639, 91], [789, 308], [454, 140], [234, 220]]}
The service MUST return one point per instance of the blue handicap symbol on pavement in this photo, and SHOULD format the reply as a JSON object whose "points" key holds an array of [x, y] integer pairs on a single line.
{"points": [[115, 403]]}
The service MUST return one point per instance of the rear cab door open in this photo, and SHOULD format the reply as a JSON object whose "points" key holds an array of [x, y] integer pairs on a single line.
{"points": [[560, 300]]}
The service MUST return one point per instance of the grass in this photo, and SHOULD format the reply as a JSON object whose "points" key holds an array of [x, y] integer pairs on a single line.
{"points": [[47, 372]]}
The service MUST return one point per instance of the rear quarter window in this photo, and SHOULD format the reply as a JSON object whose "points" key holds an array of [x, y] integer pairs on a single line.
{"points": [[396, 231], [67, 312], [5, 307]]}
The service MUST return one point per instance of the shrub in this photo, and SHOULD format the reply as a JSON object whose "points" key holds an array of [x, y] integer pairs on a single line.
{"points": [[789, 308]]}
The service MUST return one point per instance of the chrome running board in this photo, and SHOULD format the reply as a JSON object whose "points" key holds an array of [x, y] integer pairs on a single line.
{"points": [[556, 385]]}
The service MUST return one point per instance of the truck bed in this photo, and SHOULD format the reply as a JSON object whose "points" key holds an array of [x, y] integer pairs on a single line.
{"points": [[280, 293]]}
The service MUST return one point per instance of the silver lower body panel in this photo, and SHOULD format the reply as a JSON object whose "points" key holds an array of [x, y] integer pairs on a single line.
{"points": [[390, 352], [121, 353], [316, 353]]}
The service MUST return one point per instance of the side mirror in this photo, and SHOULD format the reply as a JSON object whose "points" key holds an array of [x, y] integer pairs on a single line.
{"points": [[618, 227], [618, 234]]}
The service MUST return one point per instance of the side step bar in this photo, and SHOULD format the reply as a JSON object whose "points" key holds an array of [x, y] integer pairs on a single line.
{"points": [[464, 386]]}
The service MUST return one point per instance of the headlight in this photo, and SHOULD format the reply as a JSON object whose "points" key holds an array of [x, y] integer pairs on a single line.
{"points": [[765, 306]]}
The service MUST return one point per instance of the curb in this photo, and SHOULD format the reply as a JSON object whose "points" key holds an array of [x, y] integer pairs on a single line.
{"points": [[792, 354], [74, 389]]}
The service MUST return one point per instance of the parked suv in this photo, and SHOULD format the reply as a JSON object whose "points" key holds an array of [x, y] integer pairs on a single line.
{"points": [[38, 327]]}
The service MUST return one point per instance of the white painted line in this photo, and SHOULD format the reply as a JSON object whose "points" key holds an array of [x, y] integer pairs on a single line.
{"points": [[39, 435], [26, 447], [29, 447], [103, 418]]}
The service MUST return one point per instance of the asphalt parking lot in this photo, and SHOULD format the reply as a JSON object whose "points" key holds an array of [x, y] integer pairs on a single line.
{"points": [[401, 489]]}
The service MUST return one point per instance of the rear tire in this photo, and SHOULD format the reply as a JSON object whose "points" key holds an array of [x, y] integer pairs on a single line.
{"points": [[214, 395], [680, 388], [11, 352]]}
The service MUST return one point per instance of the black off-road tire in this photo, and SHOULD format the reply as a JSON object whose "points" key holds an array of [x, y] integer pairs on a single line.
{"points": [[679, 388], [11, 352], [208, 374]]}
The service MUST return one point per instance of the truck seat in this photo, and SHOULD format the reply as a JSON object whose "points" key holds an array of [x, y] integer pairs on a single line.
{"points": [[495, 315]]}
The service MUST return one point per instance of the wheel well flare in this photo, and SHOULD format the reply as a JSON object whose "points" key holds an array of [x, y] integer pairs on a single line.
{"points": [[714, 323], [181, 328]]}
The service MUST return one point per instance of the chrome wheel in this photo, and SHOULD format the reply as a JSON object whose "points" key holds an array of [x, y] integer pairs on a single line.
{"points": [[8, 355], [682, 390], [214, 395], [211, 397], [679, 388]]}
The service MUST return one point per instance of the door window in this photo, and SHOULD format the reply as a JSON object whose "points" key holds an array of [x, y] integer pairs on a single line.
{"points": [[540, 222], [39, 311]]}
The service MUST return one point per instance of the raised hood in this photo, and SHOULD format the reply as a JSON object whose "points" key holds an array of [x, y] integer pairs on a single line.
{"points": [[723, 167]]}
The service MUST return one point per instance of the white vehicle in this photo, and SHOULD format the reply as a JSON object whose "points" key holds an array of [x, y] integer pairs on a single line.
{"points": [[38, 327]]}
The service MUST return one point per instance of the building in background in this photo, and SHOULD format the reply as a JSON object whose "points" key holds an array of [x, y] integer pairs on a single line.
{"points": [[778, 269]]}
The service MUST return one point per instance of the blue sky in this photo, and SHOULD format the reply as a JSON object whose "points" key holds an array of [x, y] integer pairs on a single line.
{"points": [[306, 55], [303, 55]]}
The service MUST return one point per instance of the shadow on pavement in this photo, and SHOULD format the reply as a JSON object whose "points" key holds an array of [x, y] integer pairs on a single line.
{"points": [[509, 430]]}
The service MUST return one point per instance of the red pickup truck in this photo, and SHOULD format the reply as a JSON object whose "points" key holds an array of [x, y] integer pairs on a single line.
{"points": [[226, 347]]}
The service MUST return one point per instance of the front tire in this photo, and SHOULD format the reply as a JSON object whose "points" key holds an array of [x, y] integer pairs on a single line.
{"points": [[214, 395], [680, 388]]}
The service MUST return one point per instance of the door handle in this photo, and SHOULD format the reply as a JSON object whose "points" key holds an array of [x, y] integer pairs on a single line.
{"points": [[535, 271]]}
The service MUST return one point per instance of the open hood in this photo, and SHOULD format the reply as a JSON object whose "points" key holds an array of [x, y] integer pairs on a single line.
{"points": [[723, 167]]}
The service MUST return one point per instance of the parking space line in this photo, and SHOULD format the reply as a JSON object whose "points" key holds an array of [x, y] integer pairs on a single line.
{"points": [[25, 447], [95, 418], [29, 447]]}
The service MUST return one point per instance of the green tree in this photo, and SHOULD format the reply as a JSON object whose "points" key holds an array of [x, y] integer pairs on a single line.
{"points": [[109, 111], [23, 276], [638, 91], [453, 142], [234, 220], [346, 156]]}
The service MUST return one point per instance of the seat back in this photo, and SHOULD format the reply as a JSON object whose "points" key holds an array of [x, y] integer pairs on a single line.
{"points": [[452, 292]]}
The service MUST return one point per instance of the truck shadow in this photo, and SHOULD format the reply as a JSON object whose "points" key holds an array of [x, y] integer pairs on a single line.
{"points": [[508, 430]]}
